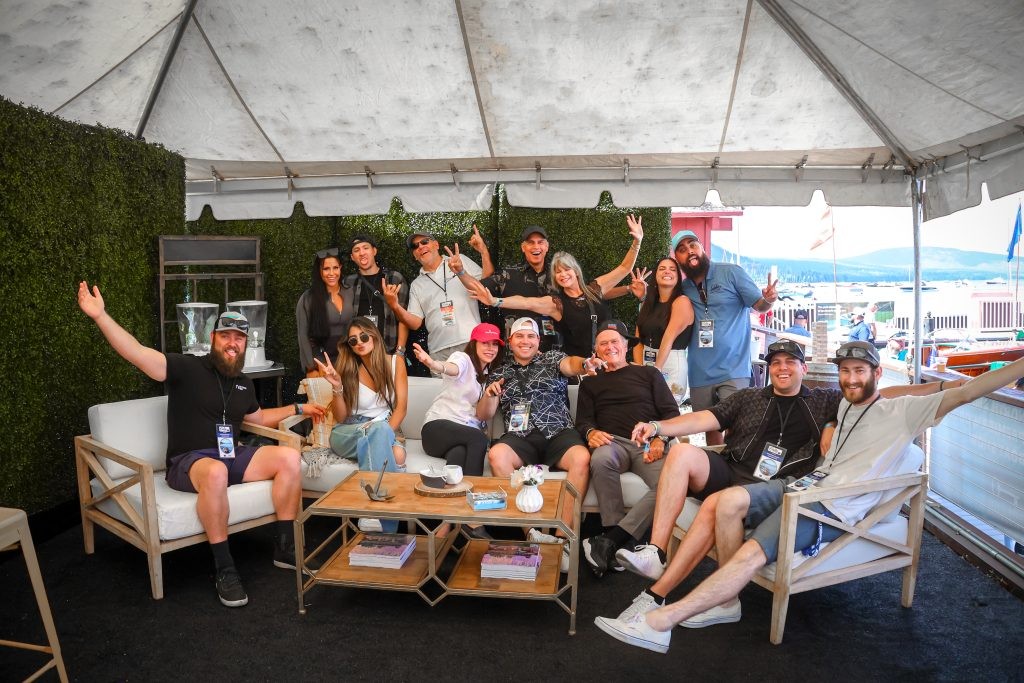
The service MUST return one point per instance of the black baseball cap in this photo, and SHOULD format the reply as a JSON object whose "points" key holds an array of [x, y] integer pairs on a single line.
{"points": [[613, 324], [412, 238], [785, 346], [359, 239], [530, 229]]}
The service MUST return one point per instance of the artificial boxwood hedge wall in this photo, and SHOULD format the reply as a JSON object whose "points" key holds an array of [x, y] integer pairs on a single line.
{"points": [[76, 203]]}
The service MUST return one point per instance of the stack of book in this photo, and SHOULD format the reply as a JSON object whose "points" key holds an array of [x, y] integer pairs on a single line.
{"points": [[504, 560], [389, 551]]}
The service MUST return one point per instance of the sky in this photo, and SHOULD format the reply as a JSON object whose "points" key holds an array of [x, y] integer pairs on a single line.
{"points": [[863, 229]]}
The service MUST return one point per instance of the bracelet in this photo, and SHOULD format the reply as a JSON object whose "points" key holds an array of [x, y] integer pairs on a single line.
{"points": [[337, 392], [440, 369], [586, 437], [400, 352], [459, 273], [298, 409], [498, 302], [941, 382], [657, 427]]}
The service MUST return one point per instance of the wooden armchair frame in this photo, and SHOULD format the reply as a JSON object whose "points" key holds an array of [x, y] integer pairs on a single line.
{"points": [[142, 530]]}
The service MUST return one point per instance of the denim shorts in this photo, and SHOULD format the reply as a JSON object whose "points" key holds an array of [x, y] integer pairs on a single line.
{"points": [[765, 517]]}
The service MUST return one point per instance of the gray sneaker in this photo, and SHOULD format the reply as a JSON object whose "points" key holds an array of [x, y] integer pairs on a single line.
{"points": [[229, 588]]}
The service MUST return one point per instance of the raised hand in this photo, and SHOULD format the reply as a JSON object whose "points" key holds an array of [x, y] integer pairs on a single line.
{"points": [[90, 303], [327, 371], [454, 259], [638, 285], [390, 292], [592, 365], [770, 293], [477, 291], [636, 227], [494, 388], [476, 241], [421, 355]]}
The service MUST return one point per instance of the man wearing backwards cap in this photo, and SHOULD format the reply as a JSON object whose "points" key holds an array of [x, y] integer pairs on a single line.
{"points": [[874, 440], [718, 358], [438, 296], [368, 297], [610, 404], [532, 389], [208, 397]]}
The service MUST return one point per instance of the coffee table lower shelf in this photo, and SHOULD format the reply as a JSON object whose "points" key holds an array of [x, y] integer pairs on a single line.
{"points": [[466, 580]]}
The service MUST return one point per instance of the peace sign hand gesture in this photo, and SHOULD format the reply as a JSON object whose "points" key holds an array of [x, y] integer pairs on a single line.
{"points": [[327, 371], [770, 293], [454, 259]]}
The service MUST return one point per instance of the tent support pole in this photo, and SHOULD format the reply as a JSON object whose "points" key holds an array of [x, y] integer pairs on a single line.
{"points": [[917, 208], [172, 50]]}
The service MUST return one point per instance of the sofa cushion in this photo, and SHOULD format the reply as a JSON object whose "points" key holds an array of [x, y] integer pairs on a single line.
{"points": [[423, 392], [137, 427], [176, 511]]}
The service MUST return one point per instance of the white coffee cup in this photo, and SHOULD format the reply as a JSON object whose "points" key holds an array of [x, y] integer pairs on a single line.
{"points": [[452, 474]]}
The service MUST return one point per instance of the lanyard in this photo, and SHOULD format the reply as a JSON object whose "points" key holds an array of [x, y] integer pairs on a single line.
{"points": [[855, 423], [224, 400], [444, 279], [783, 421], [703, 296]]}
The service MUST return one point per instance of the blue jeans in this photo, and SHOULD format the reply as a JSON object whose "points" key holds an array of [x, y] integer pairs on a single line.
{"points": [[369, 443]]}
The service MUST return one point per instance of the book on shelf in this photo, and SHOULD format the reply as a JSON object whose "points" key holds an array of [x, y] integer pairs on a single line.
{"points": [[487, 500], [389, 551], [510, 560]]}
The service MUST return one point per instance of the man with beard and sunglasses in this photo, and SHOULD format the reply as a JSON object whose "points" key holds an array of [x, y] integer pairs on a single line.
{"points": [[722, 294], [874, 440], [208, 398]]}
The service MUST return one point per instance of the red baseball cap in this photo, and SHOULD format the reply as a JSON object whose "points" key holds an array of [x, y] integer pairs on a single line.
{"points": [[486, 332]]}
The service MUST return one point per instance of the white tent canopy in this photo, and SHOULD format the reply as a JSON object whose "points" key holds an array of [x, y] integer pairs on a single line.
{"points": [[343, 104]]}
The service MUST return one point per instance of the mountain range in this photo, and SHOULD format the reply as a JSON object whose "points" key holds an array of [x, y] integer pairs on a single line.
{"points": [[884, 265]]}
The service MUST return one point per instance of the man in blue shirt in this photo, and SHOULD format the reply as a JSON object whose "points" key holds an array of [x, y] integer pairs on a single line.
{"points": [[860, 331], [799, 325], [718, 358]]}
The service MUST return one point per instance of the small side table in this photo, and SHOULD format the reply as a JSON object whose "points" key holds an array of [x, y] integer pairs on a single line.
{"points": [[14, 531], [275, 370]]}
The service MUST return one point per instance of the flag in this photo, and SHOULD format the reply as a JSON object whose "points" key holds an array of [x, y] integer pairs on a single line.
{"points": [[828, 232], [1015, 237]]}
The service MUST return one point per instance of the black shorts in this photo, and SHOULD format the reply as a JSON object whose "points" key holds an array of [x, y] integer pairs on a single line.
{"points": [[179, 465], [537, 449], [719, 476]]}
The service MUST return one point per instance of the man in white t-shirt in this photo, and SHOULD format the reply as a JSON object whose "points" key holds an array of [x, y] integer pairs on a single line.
{"points": [[437, 298], [873, 440]]}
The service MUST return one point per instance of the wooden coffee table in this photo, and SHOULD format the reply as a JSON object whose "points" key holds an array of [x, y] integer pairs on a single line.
{"points": [[421, 571]]}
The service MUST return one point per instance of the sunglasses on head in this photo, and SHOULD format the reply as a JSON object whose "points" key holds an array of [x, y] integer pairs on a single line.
{"points": [[324, 253], [361, 339], [854, 352], [419, 243], [233, 324]]}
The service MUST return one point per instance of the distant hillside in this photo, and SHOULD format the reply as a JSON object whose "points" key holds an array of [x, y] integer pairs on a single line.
{"points": [[885, 265]]}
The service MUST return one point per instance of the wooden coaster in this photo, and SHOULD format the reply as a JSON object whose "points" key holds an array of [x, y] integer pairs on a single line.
{"points": [[449, 491]]}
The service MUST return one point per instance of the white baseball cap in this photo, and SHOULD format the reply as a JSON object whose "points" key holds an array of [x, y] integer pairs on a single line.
{"points": [[523, 324]]}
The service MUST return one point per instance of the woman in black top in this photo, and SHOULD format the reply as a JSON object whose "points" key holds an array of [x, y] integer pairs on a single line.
{"points": [[664, 326], [576, 308], [324, 311]]}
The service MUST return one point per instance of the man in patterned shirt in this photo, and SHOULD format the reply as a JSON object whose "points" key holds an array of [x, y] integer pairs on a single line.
{"points": [[532, 388]]}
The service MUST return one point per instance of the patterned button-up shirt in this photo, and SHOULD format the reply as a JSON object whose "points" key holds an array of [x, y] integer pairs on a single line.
{"points": [[540, 384]]}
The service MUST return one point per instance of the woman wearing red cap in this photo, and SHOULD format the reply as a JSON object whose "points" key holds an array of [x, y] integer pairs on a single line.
{"points": [[453, 427]]}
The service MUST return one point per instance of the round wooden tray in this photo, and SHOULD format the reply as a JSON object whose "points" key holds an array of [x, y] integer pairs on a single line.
{"points": [[449, 491]]}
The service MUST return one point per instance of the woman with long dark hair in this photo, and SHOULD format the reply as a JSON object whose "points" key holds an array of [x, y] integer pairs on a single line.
{"points": [[664, 326], [324, 310]]}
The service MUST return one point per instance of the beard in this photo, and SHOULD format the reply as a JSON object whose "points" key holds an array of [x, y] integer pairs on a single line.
{"points": [[227, 367], [863, 393], [699, 271]]}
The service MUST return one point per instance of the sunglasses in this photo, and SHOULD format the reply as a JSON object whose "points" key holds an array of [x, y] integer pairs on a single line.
{"points": [[420, 243], [233, 324], [361, 339], [324, 253], [855, 352]]}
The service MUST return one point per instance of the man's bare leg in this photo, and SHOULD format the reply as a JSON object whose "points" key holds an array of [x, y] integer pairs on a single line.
{"points": [[576, 463], [686, 469], [281, 465], [210, 479]]}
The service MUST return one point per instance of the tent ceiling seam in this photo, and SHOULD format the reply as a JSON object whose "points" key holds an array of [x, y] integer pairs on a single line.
{"points": [[234, 89], [897, 64], [472, 74], [736, 75], [165, 67], [818, 58], [109, 71]]}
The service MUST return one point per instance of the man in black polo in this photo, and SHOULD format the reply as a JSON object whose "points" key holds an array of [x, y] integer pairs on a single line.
{"points": [[368, 297]]}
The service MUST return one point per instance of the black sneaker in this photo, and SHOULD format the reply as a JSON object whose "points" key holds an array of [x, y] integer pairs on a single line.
{"points": [[284, 556], [600, 553], [229, 588]]}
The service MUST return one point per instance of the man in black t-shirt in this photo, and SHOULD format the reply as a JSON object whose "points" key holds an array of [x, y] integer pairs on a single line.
{"points": [[610, 404], [207, 400]]}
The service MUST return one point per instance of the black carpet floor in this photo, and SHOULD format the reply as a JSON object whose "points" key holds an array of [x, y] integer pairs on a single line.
{"points": [[962, 627]]}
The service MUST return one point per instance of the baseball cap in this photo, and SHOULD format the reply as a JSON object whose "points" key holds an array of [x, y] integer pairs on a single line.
{"points": [[613, 324], [524, 324], [784, 346], [486, 332], [232, 320], [678, 238], [530, 229], [411, 238], [360, 238], [800, 315], [858, 350]]}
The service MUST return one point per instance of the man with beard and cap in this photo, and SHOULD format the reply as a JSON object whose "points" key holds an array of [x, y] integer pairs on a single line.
{"points": [[610, 404], [438, 296], [718, 358], [208, 398], [874, 440], [368, 297]]}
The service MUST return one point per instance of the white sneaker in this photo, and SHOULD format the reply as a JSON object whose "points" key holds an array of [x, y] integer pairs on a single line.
{"points": [[715, 615], [370, 526], [642, 604], [635, 631], [642, 560], [534, 536]]}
